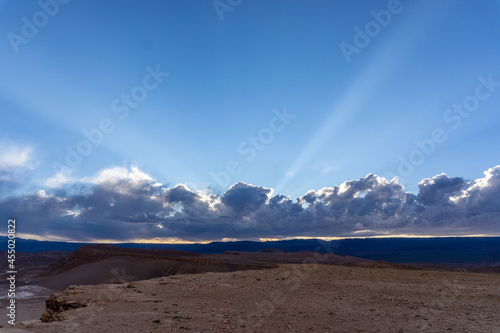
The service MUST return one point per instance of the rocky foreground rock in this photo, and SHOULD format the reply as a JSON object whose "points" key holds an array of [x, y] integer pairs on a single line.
{"points": [[57, 305]]}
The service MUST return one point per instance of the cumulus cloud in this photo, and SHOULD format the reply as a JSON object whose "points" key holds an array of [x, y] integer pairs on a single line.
{"points": [[244, 198], [480, 196], [126, 203], [438, 189]]}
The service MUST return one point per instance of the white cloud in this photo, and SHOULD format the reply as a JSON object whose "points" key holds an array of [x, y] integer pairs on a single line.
{"points": [[59, 179], [14, 157], [481, 189], [122, 180], [116, 175], [491, 178]]}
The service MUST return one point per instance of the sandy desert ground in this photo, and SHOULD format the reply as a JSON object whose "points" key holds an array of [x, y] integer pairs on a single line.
{"points": [[290, 298]]}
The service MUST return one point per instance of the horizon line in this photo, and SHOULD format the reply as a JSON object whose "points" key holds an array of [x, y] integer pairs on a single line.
{"points": [[259, 240]]}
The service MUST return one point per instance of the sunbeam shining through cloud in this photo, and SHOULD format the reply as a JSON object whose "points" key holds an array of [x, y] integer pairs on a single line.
{"points": [[191, 122]]}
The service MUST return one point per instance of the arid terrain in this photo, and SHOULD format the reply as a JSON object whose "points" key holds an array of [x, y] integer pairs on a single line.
{"points": [[290, 298], [250, 292]]}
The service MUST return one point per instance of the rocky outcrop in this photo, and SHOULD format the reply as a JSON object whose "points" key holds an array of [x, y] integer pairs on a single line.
{"points": [[58, 304]]}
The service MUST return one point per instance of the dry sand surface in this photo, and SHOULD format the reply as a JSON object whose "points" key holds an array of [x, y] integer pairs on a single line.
{"points": [[290, 298]]}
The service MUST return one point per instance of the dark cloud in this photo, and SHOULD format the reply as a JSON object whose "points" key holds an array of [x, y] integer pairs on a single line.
{"points": [[181, 194], [125, 204], [244, 198], [437, 190]]}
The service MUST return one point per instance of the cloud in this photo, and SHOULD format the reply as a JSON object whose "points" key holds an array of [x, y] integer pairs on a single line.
{"points": [[481, 196], [14, 157], [438, 189], [122, 179], [15, 162], [127, 203], [59, 179], [244, 198]]}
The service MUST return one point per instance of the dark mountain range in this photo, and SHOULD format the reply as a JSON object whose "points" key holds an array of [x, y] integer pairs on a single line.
{"points": [[463, 251]]}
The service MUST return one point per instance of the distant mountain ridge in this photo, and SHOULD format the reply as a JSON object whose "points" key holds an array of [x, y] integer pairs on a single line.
{"points": [[470, 251]]}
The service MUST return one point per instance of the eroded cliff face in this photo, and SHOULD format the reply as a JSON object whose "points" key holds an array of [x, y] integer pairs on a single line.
{"points": [[58, 304], [88, 254]]}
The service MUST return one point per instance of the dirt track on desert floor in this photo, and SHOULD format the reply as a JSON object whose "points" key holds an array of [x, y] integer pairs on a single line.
{"points": [[290, 298]]}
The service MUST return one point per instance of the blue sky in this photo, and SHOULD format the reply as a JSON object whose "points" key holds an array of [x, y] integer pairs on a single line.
{"points": [[281, 95]]}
